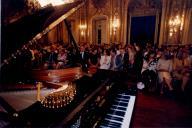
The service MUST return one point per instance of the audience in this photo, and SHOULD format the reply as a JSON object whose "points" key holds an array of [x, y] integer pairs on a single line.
{"points": [[164, 64]]}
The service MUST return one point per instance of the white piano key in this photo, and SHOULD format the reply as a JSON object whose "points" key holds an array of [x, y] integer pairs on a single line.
{"points": [[104, 126], [123, 94], [122, 98], [128, 114], [109, 123], [120, 101], [112, 120], [115, 115], [117, 109], [118, 106]]}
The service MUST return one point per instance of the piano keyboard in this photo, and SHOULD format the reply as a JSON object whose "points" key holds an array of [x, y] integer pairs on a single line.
{"points": [[120, 113]]}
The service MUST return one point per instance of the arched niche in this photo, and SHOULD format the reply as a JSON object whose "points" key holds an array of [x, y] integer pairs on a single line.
{"points": [[147, 12], [99, 29]]}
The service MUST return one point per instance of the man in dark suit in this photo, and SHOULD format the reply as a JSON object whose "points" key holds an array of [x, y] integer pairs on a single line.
{"points": [[84, 58], [122, 60]]}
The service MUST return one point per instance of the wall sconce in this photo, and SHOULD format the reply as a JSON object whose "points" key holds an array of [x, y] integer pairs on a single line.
{"points": [[115, 24], [175, 25], [82, 28]]}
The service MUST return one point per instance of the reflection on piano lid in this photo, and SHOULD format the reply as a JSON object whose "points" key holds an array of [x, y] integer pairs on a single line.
{"points": [[20, 100], [120, 113]]}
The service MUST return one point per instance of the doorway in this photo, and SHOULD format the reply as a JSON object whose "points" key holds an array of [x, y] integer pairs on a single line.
{"points": [[99, 30], [143, 30]]}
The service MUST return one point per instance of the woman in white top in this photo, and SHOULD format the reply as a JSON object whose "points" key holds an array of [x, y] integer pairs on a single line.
{"points": [[164, 68], [105, 60]]}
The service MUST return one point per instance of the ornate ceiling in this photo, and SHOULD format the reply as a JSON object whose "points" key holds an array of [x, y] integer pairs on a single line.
{"points": [[99, 3], [144, 4]]}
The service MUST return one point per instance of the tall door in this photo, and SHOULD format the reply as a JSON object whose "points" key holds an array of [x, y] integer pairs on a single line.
{"points": [[99, 36], [101, 31], [143, 29]]}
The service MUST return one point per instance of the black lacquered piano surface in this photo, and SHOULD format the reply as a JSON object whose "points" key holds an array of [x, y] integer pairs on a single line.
{"points": [[91, 107]]}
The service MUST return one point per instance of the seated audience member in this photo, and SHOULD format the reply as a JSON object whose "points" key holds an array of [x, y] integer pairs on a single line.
{"points": [[113, 58], [122, 60], [148, 72], [131, 54], [119, 61], [105, 60], [186, 70], [94, 59], [61, 59], [190, 54], [52, 58], [164, 68]]}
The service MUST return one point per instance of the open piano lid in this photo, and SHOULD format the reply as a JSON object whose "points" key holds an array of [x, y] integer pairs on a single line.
{"points": [[15, 34]]}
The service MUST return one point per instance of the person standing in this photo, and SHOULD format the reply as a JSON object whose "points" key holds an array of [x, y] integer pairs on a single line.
{"points": [[84, 58]]}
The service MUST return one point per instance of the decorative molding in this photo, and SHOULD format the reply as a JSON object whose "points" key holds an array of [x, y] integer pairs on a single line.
{"points": [[99, 4], [142, 5]]}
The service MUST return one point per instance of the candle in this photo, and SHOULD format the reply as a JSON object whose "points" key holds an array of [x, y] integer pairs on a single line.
{"points": [[38, 91]]}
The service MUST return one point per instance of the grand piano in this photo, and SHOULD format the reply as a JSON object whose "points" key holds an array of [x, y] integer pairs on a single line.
{"points": [[103, 99], [69, 97]]}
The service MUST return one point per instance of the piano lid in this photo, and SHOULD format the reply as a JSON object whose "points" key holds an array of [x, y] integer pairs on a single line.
{"points": [[24, 29]]}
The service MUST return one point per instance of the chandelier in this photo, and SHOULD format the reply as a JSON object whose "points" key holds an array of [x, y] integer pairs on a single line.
{"points": [[175, 25]]}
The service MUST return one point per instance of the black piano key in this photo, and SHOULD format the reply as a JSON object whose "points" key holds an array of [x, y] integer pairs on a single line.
{"points": [[114, 109], [107, 123], [110, 126], [119, 113], [124, 97], [119, 108], [114, 118], [101, 126], [121, 104], [124, 100], [116, 112], [124, 93]]}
